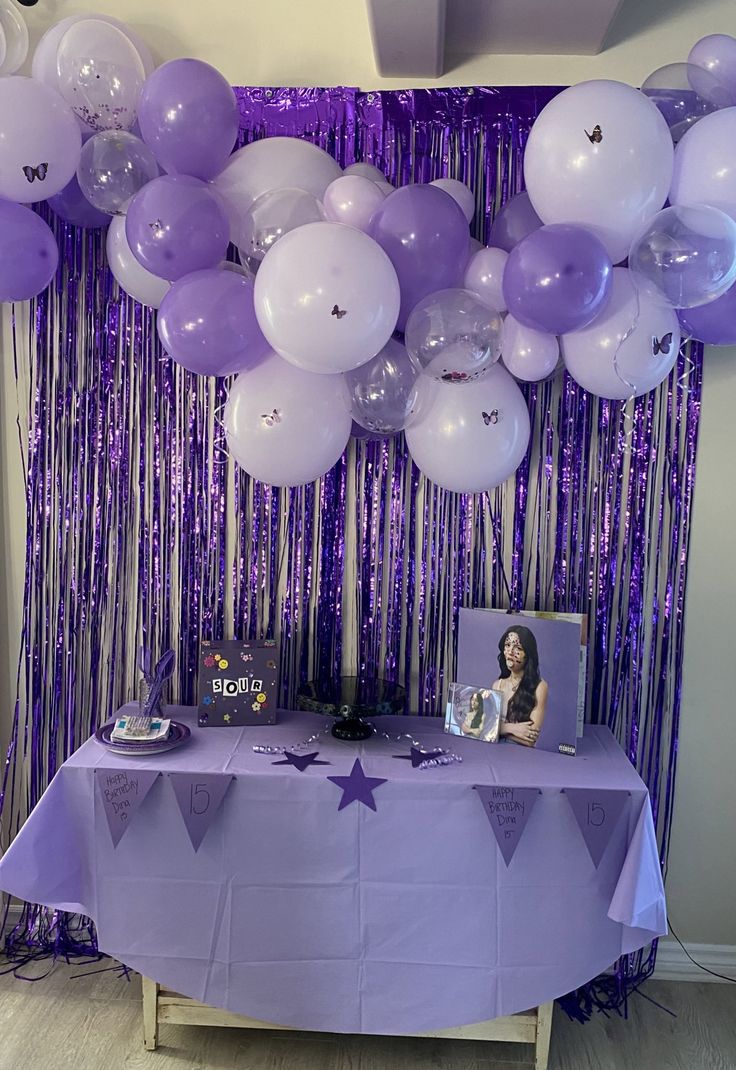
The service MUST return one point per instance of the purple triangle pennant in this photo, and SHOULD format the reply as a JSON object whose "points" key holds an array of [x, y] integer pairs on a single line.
{"points": [[199, 797], [507, 810], [597, 812], [121, 792]]}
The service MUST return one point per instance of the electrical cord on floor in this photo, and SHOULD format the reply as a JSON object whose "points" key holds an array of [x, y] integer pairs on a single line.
{"points": [[723, 976]]}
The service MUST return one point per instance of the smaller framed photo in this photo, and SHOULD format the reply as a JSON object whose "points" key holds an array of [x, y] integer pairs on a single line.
{"points": [[474, 711]]}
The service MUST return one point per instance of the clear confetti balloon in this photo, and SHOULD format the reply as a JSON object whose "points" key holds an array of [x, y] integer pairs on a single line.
{"points": [[454, 336], [684, 94], [113, 167], [13, 38], [100, 75], [384, 391], [686, 256], [274, 214]]}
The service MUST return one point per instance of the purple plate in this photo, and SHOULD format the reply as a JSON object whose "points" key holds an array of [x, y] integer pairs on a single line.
{"points": [[178, 734]]}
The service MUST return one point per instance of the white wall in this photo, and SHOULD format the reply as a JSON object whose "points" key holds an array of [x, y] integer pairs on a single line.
{"points": [[326, 42]]}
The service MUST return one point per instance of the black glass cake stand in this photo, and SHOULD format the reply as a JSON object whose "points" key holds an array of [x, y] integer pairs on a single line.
{"points": [[351, 700]]}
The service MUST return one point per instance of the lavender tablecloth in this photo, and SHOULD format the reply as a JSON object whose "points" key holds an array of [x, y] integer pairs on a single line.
{"points": [[399, 921]]}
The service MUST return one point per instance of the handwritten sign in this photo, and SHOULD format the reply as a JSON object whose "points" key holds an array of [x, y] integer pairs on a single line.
{"points": [[597, 812], [507, 810], [121, 792], [199, 797]]}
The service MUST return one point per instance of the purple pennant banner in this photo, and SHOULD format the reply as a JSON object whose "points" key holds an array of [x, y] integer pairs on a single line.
{"points": [[507, 810], [597, 812], [199, 798], [121, 793]]}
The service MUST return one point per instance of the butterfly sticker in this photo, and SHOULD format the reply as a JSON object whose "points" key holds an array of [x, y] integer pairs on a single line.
{"points": [[338, 313], [662, 345], [491, 417], [271, 418], [33, 173], [596, 137]]}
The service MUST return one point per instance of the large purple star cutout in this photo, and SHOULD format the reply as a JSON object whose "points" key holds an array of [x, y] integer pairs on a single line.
{"points": [[418, 756], [357, 787], [300, 761]]}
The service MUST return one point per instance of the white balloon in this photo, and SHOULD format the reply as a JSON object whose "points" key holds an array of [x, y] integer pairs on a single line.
{"points": [[600, 155], [14, 37], [528, 354], [460, 193], [327, 297], [142, 286], [269, 164], [630, 349], [285, 426], [473, 439], [705, 164]]}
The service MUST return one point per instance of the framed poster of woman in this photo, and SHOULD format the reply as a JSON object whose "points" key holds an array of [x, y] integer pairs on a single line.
{"points": [[535, 662]]}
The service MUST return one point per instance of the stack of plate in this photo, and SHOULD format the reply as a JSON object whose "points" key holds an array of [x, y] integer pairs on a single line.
{"points": [[178, 734]]}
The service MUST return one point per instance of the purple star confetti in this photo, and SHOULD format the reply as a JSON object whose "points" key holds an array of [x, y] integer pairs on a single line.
{"points": [[300, 761], [357, 787]]}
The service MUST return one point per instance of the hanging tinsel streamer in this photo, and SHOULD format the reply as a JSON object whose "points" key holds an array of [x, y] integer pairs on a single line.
{"points": [[139, 534]]}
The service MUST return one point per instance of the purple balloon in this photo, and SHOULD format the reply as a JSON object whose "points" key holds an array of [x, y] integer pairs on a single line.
{"points": [[72, 206], [558, 279], [28, 253], [714, 323], [516, 219], [207, 323], [425, 234], [717, 53], [176, 225], [188, 115]]}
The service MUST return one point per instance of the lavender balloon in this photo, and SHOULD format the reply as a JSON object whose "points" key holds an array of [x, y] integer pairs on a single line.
{"points": [[207, 323], [113, 166], [470, 440], [528, 354], [40, 141], [714, 323], [176, 225], [686, 256], [29, 254], [558, 279], [352, 199], [599, 155], [425, 234], [484, 277], [716, 54], [366, 170], [327, 297], [516, 219], [629, 349], [73, 207], [384, 390], [454, 336], [460, 193], [188, 115], [705, 164], [286, 426]]}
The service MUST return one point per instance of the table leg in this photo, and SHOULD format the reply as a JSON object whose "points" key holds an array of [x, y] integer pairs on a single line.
{"points": [[544, 1033], [150, 1013]]}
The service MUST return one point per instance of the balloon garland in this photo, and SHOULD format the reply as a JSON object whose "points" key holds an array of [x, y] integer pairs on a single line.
{"points": [[354, 301]]}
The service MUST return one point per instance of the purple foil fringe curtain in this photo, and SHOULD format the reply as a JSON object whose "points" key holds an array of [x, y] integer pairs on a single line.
{"points": [[141, 532]]}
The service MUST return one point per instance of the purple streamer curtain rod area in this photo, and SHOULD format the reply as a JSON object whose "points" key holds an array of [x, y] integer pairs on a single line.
{"points": [[140, 532]]}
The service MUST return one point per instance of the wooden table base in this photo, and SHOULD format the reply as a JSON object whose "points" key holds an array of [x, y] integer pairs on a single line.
{"points": [[161, 1005]]}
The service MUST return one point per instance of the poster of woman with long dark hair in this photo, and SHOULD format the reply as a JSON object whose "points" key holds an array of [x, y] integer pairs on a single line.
{"points": [[536, 662]]}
